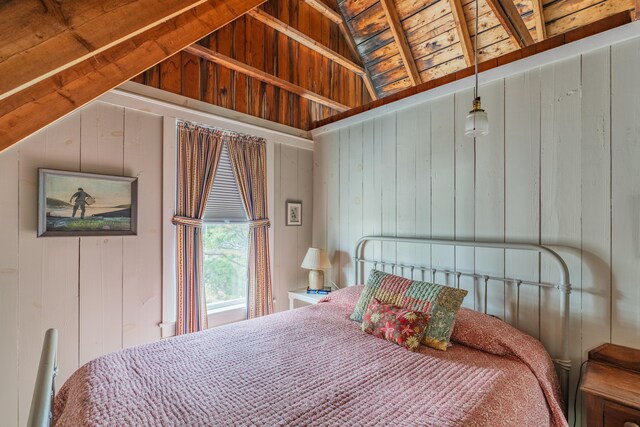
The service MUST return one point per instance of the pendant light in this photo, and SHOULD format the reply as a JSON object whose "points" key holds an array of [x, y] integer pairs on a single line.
{"points": [[477, 122]]}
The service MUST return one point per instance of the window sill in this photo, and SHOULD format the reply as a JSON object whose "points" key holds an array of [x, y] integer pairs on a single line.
{"points": [[216, 317], [217, 310]]}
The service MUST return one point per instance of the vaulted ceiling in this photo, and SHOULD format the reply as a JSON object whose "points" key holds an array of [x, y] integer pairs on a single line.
{"points": [[296, 62], [300, 62]]}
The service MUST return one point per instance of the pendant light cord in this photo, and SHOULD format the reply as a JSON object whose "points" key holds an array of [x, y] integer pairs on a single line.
{"points": [[475, 54]]}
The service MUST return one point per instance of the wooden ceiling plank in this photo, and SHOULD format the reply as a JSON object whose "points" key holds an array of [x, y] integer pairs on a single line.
{"points": [[401, 40], [463, 30], [511, 21], [29, 110], [613, 21], [262, 76], [538, 13], [304, 40], [70, 35]]}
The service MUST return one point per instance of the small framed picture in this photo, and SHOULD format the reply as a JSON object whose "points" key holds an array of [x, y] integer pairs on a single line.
{"points": [[86, 204], [294, 213]]}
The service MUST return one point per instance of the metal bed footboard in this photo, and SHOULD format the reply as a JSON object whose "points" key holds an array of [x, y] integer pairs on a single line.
{"points": [[40, 414], [564, 287]]}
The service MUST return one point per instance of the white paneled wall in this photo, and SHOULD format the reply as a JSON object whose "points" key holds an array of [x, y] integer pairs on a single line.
{"points": [[293, 181], [104, 293], [559, 167]]}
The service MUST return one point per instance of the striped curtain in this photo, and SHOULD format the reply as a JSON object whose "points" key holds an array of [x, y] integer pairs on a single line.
{"points": [[198, 156], [249, 161]]}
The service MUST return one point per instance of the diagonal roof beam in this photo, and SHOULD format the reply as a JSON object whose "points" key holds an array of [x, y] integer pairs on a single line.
{"points": [[463, 30], [305, 40], [24, 112], [41, 38], [258, 74], [337, 18], [538, 14], [511, 21], [401, 40]]}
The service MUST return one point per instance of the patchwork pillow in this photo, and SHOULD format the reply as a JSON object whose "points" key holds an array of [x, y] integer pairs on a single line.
{"points": [[441, 302], [394, 324]]}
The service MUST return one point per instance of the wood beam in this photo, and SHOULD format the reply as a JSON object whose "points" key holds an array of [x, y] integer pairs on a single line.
{"points": [[258, 74], [401, 41], [24, 112], [326, 10], [511, 21], [538, 14], [41, 38], [463, 30], [305, 40]]}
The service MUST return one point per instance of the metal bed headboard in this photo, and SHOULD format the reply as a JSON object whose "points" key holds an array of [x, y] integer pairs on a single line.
{"points": [[40, 414], [564, 286]]}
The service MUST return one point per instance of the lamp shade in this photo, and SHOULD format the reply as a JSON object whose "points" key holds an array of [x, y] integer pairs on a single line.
{"points": [[477, 123], [316, 259]]}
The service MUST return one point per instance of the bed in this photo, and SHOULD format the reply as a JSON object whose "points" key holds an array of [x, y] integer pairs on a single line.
{"points": [[314, 366]]}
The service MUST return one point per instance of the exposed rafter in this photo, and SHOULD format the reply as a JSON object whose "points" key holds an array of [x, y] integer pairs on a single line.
{"points": [[511, 21], [33, 108], [257, 74], [337, 19], [327, 11], [463, 30], [401, 40], [305, 40], [45, 37], [348, 37], [538, 14]]}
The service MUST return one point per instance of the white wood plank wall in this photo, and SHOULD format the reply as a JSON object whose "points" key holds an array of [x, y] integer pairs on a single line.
{"points": [[104, 293], [559, 167]]}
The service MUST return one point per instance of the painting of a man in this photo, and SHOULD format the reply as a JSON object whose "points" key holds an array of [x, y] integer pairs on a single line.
{"points": [[112, 212], [81, 202]]}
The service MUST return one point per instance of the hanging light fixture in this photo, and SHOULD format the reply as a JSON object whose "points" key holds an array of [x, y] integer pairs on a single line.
{"points": [[477, 122]]}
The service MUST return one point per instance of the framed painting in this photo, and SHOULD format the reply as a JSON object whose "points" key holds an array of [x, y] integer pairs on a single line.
{"points": [[294, 213], [86, 204]]}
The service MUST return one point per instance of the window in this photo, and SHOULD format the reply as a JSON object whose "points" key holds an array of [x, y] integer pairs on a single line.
{"points": [[225, 264], [225, 240]]}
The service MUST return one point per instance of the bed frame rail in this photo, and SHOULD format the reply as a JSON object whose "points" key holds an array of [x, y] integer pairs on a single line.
{"points": [[40, 414], [563, 361]]}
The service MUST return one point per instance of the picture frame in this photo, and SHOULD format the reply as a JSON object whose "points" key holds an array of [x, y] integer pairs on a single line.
{"points": [[86, 204], [294, 213]]}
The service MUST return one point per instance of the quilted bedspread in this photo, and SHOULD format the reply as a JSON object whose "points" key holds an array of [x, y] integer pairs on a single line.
{"points": [[315, 367]]}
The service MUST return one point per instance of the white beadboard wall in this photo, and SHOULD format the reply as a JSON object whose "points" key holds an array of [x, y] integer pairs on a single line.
{"points": [[103, 293], [559, 167]]}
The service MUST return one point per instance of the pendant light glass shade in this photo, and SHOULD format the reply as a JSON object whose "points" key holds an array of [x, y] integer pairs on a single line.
{"points": [[477, 122]]}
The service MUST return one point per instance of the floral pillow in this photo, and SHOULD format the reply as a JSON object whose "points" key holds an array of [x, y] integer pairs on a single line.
{"points": [[394, 324]]}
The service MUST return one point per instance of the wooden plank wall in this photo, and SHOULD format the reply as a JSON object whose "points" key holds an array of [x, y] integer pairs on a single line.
{"points": [[249, 41], [293, 171], [559, 167], [102, 293]]}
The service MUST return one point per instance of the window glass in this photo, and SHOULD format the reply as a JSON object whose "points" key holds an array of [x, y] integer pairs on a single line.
{"points": [[225, 263]]}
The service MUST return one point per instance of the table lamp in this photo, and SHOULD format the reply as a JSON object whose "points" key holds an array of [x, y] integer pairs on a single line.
{"points": [[315, 261]]}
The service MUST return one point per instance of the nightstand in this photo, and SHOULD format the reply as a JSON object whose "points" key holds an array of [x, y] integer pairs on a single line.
{"points": [[611, 385], [302, 295]]}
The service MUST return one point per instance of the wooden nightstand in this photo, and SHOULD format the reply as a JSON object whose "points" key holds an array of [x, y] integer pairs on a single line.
{"points": [[302, 295], [611, 385]]}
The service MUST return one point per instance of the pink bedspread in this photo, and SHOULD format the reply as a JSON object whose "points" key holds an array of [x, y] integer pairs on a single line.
{"points": [[313, 366]]}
